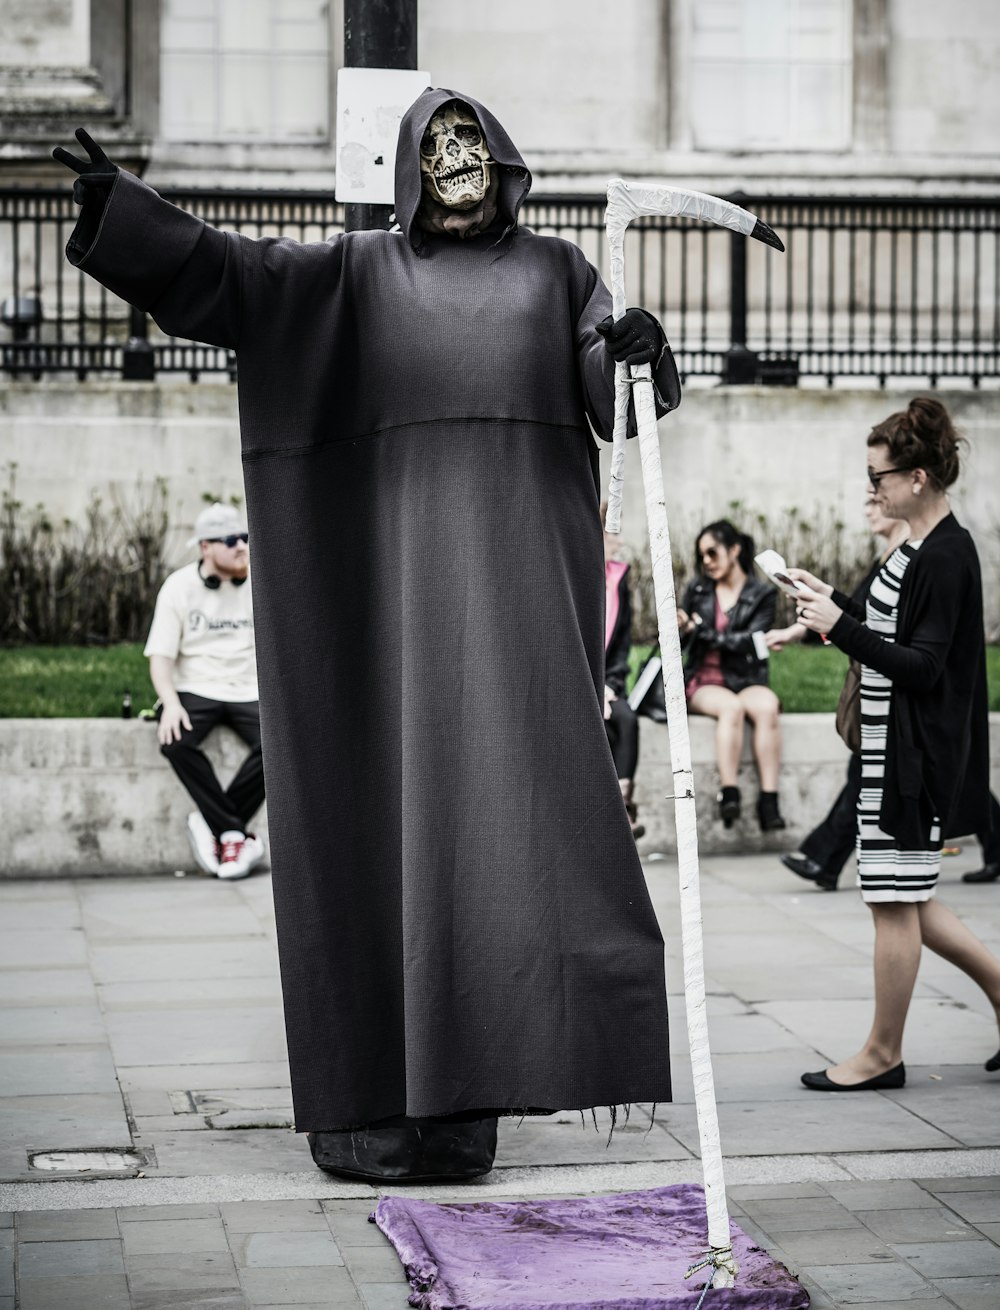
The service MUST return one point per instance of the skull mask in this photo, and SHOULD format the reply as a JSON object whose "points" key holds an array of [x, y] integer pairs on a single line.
{"points": [[455, 161]]}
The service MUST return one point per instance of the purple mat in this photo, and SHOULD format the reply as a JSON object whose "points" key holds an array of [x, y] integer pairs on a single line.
{"points": [[625, 1252]]}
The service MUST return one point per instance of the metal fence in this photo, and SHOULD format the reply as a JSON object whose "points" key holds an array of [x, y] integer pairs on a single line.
{"points": [[880, 289]]}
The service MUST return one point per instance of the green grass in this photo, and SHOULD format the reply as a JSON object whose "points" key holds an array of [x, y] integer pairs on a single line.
{"points": [[88, 682], [808, 679], [85, 682]]}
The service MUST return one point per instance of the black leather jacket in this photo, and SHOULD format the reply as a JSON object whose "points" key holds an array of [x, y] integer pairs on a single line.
{"points": [[753, 612]]}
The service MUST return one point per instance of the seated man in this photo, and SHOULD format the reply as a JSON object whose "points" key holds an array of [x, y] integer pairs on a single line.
{"points": [[203, 665]]}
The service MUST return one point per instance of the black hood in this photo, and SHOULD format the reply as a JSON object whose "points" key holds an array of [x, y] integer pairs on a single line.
{"points": [[515, 180]]}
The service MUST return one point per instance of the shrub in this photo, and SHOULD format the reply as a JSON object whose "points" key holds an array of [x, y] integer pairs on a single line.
{"points": [[818, 541], [81, 584]]}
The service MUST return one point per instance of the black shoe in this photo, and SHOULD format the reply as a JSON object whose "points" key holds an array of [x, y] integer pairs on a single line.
{"points": [[408, 1150], [988, 873], [729, 805], [813, 872], [993, 1063], [768, 814], [891, 1079]]}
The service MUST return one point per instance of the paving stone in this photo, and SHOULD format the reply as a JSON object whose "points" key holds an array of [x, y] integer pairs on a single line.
{"points": [[299, 1286], [48, 913], [374, 1264], [840, 1246], [282, 1249], [776, 1191], [971, 1293], [919, 1225], [961, 1104], [134, 1214], [982, 1206], [815, 1125], [966, 1183], [384, 1296], [94, 1292], [902, 1195], [6, 1219], [52, 1025], [802, 1214], [65, 1225], [192, 1037], [938, 1032], [773, 1078], [353, 1229], [250, 957], [64, 1122], [859, 1284], [238, 1152], [36, 1071], [274, 1216], [567, 1141], [184, 1078], [992, 1231], [37, 987], [168, 994], [70, 1259], [197, 1279], [43, 948], [167, 1235], [970, 1259]]}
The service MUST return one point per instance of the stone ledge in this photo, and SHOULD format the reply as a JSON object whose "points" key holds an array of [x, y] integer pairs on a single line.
{"points": [[88, 797]]}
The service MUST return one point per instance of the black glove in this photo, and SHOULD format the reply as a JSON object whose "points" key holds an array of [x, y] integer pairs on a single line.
{"points": [[97, 175], [636, 338]]}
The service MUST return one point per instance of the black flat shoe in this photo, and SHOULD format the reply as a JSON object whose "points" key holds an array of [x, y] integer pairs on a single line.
{"points": [[891, 1079], [729, 805], [988, 873], [811, 871], [993, 1063]]}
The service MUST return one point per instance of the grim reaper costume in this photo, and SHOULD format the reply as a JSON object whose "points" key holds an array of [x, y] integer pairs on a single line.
{"points": [[463, 924]]}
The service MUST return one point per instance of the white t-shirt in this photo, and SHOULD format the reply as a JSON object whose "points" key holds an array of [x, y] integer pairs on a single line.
{"points": [[210, 635]]}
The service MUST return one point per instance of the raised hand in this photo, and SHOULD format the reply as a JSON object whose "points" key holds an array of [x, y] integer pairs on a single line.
{"points": [[636, 338], [96, 174]]}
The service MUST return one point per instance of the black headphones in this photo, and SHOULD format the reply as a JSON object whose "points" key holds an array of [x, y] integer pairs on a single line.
{"points": [[213, 582]]}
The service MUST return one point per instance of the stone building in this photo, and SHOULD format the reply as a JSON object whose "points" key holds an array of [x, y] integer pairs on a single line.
{"points": [[865, 130]]}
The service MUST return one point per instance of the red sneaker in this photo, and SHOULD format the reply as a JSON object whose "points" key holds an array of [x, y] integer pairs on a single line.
{"points": [[233, 862]]}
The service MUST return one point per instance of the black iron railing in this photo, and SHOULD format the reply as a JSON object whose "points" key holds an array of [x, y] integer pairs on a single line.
{"points": [[868, 288]]}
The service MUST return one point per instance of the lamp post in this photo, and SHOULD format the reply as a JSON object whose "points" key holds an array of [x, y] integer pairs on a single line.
{"points": [[377, 34]]}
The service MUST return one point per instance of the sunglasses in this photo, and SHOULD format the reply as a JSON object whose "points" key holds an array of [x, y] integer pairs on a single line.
{"points": [[711, 553], [232, 539], [876, 478]]}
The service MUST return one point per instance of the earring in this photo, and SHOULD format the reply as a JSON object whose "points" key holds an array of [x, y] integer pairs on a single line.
{"points": [[916, 488]]}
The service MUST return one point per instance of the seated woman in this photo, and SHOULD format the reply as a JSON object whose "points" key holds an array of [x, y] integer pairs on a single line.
{"points": [[725, 677], [619, 716]]}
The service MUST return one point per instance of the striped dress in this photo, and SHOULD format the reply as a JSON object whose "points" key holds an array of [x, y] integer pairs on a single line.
{"points": [[884, 872]]}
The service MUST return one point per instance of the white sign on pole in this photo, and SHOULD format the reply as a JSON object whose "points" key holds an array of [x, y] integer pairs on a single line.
{"points": [[370, 104]]}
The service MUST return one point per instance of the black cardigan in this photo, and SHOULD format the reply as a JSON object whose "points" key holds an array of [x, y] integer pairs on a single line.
{"points": [[937, 752], [753, 612]]}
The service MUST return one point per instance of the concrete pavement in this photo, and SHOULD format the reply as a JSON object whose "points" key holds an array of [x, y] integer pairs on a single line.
{"points": [[143, 1016]]}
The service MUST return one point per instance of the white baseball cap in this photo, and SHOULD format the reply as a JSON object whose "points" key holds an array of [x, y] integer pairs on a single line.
{"points": [[217, 520]]}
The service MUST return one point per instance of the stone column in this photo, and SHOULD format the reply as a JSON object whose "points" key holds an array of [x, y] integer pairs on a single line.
{"points": [[49, 85]]}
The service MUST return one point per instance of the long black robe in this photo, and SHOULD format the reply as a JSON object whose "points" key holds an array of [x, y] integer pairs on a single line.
{"points": [[462, 918]]}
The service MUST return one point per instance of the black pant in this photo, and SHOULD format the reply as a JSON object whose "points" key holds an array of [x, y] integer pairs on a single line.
{"points": [[623, 737], [990, 841], [232, 809], [833, 843]]}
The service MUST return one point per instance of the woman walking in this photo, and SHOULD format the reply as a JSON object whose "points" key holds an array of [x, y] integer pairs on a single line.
{"points": [[924, 744]]}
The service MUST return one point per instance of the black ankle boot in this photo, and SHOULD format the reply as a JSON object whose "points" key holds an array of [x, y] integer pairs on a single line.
{"points": [[729, 805], [768, 814]]}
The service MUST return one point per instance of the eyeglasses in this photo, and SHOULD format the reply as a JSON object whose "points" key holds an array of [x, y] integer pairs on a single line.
{"points": [[876, 478], [232, 539]]}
